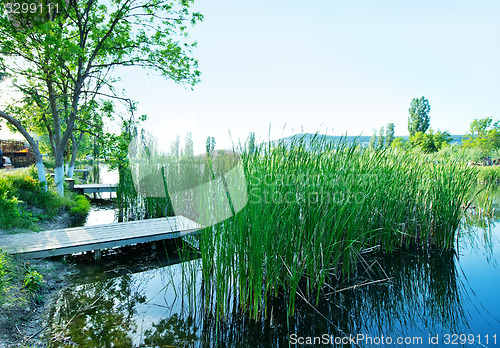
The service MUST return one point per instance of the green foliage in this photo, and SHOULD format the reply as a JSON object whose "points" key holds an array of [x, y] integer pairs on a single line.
{"points": [[313, 208], [175, 147], [188, 145], [135, 206], [9, 210], [3, 74], [399, 143], [373, 140], [489, 175], [384, 139], [5, 268], [381, 139], [80, 206], [389, 134], [115, 147], [251, 143], [461, 153], [430, 142], [483, 134], [20, 193], [32, 280], [210, 145], [441, 139], [66, 61], [419, 119]]}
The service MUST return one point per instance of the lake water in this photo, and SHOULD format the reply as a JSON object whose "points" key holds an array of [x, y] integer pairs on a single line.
{"points": [[139, 297]]}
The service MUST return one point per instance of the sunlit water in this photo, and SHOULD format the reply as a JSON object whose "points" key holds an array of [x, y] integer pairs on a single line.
{"points": [[102, 210], [139, 297]]}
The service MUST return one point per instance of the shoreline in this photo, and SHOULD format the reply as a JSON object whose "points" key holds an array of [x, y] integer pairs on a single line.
{"points": [[23, 321], [23, 317]]}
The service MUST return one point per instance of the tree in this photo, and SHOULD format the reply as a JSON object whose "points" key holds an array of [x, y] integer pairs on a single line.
{"points": [[251, 143], [430, 142], [91, 123], [175, 147], [419, 119], [483, 133], [442, 139], [3, 74], [68, 56], [399, 143], [189, 146], [381, 138], [210, 145], [389, 134], [373, 140]]}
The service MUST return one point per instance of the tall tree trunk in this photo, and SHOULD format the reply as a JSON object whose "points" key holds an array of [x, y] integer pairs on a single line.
{"points": [[74, 150], [34, 146], [59, 172]]}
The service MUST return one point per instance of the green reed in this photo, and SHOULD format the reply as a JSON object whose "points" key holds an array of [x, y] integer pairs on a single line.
{"points": [[313, 207], [134, 206]]}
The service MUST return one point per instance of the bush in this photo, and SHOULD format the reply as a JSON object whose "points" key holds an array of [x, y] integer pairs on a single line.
{"points": [[80, 206], [31, 191], [32, 280], [21, 192], [9, 210]]}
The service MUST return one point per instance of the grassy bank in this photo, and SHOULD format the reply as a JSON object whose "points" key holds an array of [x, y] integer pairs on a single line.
{"points": [[18, 282], [485, 174], [312, 212], [24, 202], [25, 285], [488, 174]]}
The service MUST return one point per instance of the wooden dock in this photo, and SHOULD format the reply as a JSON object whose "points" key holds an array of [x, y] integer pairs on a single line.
{"points": [[95, 188], [94, 238]]}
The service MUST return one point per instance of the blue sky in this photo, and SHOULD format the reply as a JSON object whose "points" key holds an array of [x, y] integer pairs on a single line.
{"points": [[329, 66]]}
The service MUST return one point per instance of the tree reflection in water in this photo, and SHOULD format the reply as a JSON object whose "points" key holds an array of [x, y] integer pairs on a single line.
{"points": [[424, 296], [99, 314]]}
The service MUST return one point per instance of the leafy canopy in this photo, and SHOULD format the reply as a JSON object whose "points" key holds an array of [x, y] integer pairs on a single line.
{"points": [[431, 141], [65, 62], [484, 134], [419, 119]]}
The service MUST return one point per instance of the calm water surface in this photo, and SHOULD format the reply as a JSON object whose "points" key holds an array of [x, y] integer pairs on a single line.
{"points": [[138, 297]]}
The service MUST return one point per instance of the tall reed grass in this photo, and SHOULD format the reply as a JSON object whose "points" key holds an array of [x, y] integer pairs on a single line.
{"points": [[313, 208], [133, 206]]}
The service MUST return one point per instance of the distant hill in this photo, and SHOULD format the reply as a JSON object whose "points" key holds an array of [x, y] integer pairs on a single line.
{"points": [[362, 139]]}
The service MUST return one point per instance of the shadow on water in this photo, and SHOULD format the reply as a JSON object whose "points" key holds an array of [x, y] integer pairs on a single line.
{"points": [[139, 297], [96, 173], [154, 300]]}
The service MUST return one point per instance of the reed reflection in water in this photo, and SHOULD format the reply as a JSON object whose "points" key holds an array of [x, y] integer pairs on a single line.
{"points": [[164, 306]]}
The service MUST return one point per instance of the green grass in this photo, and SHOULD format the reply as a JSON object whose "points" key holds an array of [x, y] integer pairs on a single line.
{"points": [[80, 206], [488, 174], [135, 206], [23, 201], [5, 267], [311, 212]]}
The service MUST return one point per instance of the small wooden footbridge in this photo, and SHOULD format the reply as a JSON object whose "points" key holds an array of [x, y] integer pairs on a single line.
{"points": [[91, 188], [95, 238]]}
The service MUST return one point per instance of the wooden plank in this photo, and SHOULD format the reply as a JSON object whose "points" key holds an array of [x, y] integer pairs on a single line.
{"points": [[98, 233], [95, 188], [95, 185], [80, 239]]}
